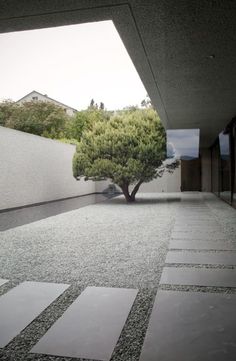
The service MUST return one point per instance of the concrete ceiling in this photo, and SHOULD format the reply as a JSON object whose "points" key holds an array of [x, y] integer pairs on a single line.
{"points": [[184, 51]]}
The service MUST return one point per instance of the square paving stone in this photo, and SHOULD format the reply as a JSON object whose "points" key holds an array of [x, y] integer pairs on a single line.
{"points": [[197, 228], [222, 258], [202, 245], [22, 304], [196, 223], [193, 218], [91, 326], [2, 281], [191, 326], [198, 235], [199, 277]]}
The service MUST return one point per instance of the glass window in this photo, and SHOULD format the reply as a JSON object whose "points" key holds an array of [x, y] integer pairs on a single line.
{"points": [[215, 167], [234, 166], [183, 143], [225, 167]]}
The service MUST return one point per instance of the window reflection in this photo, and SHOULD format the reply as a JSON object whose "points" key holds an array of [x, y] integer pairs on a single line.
{"points": [[225, 174], [183, 143], [234, 166]]}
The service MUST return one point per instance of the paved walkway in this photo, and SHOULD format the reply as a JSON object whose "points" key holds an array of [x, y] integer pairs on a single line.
{"points": [[170, 258]]}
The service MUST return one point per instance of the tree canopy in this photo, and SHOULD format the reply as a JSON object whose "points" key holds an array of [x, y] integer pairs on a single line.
{"points": [[40, 118], [128, 148]]}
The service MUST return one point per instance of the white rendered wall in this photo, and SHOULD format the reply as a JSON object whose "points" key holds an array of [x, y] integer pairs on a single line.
{"points": [[34, 169], [169, 182]]}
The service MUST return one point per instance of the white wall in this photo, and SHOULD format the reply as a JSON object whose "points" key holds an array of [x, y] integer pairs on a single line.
{"points": [[169, 182], [34, 169]]}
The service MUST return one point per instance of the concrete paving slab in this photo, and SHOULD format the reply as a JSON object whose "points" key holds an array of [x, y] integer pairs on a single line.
{"points": [[22, 304], [91, 326], [191, 326], [198, 235], [202, 245], [199, 277], [188, 257], [195, 217], [184, 221], [2, 281], [197, 228]]}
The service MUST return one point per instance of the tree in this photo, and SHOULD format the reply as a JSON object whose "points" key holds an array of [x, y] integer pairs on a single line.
{"points": [[40, 118], [7, 109], [128, 149], [146, 103], [84, 120]]}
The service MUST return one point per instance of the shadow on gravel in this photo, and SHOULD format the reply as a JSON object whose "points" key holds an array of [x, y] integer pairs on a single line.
{"points": [[143, 201]]}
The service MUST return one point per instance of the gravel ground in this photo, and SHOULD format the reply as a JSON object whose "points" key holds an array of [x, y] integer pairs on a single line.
{"points": [[107, 244]]}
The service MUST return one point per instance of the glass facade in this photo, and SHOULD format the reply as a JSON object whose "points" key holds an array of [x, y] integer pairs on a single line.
{"points": [[234, 165], [223, 158]]}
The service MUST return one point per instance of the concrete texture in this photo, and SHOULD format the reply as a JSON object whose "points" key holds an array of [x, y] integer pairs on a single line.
{"points": [[18, 217], [190, 81], [91, 326], [34, 169], [199, 277], [21, 305], [109, 244], [191, 326]]}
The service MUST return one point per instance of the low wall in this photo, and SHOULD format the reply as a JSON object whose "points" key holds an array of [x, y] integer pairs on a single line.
{"points": [[169, 182], [34, 169]]}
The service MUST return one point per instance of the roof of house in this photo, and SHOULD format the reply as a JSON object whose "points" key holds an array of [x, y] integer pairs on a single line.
{"points": [[44, 95]]}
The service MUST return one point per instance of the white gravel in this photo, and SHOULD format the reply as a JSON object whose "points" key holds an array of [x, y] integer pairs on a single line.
{"points": [[110, 244]]}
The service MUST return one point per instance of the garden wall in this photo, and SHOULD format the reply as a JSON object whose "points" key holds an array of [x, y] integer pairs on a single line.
{"points": [[34, 169]]}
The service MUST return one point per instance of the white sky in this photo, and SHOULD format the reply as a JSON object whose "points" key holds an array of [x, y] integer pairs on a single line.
{"points": [[71, 64]]}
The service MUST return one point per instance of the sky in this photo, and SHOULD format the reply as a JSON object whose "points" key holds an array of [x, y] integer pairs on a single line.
{"points": [[183, 142], [71, 64]]}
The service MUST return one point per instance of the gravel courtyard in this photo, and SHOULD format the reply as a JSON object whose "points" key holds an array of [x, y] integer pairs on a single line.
{"points": [[111, 244]]}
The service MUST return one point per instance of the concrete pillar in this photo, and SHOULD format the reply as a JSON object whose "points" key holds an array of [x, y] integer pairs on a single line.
{"points": [[206, 169]]}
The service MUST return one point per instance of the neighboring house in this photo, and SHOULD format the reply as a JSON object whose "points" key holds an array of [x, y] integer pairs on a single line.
{"points": [[36, 96]]}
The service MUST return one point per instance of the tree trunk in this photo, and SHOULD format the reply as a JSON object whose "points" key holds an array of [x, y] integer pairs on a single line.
{"points": [[130, 197], [125, 190], [135, 190]]}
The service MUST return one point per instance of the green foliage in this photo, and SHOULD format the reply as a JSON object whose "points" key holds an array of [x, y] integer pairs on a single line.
{"points": [[146, 103], [7, 110], [83, 121], [40, 118], [127, 148]]}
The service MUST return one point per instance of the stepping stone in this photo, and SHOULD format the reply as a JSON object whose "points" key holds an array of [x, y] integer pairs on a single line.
{"points": [[194, 218], [191, 326], [199, 277], [201, 229], [188, 257], [2, 281], [21, 305], [198, 235], [202, 245], [91, 326], [196, 223]]}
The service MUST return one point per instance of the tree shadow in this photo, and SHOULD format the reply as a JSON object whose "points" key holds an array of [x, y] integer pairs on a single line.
{"points": [[142, 200]]}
